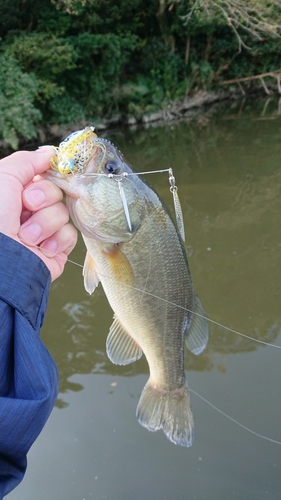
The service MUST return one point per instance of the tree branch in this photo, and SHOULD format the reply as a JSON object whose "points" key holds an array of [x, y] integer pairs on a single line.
{"points": [[273, 74], [251, 16]]}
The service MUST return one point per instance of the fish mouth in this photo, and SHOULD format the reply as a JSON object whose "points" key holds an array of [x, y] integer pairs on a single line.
{"points": [[63, 181]]}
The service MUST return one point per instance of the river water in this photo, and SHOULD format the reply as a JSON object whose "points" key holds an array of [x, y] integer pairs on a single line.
{"points": [[227, 169]]}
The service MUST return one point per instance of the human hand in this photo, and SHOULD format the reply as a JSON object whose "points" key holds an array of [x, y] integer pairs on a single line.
{"points": [[31, 210]]}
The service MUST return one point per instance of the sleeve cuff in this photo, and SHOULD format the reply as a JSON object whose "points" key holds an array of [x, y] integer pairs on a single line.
{"points": [[24, 279]]}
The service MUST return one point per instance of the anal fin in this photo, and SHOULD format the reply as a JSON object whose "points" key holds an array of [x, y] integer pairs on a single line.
{"points": [[121, 348], [198, 334]]}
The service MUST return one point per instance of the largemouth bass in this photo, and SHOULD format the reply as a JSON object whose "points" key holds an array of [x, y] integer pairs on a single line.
{"points": [[136, 252]]}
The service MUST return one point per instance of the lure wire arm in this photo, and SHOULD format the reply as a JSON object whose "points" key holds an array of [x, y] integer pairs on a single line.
{"points": [[173, 189], [125, 204], [118, 179]]}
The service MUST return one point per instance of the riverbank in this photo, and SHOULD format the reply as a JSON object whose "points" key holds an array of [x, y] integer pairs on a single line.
{"points": [[175, 110], [201, 104], [187, 109]]}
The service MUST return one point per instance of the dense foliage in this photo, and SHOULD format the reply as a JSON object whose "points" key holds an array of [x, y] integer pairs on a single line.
{"points": [[67, 60]]}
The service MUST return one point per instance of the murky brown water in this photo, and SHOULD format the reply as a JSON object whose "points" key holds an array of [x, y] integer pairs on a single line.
{"points": [[228, 173]]}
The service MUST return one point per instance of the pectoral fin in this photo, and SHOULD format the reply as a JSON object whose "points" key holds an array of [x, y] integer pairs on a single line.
{"points": [[91, 278], [197, 337], [121, 348], [120, 265]]}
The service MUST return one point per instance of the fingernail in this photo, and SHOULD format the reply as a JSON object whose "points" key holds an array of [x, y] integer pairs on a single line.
{"points": [[30, 233], [49, 248], [45, 149], [35, 197]]}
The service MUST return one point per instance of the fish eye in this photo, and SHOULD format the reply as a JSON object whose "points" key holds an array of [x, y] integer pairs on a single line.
{"points": [[111, 167]]}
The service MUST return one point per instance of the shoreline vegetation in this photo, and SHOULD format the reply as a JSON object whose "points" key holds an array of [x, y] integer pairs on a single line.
{"points": [[64, 63], [197, 108]]}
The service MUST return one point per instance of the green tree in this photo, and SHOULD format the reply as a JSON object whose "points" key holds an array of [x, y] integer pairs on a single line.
{"points": [[18, 114], [74, 59]]}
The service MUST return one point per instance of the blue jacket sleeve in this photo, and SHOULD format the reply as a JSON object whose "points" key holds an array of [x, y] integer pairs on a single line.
{"points": [[28, 374]]}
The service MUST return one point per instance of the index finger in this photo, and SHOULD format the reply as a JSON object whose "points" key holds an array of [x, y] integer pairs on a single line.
{"points": [[24, 165]]}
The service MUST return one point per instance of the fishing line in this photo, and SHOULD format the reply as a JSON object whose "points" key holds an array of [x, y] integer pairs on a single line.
{"points": [[72, 262], [232, 330], [193, 312], [218, 324], [233, 419], [70, 168]]}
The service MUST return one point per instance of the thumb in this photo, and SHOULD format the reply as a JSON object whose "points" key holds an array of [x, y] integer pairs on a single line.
{"points": [[24, 165]]}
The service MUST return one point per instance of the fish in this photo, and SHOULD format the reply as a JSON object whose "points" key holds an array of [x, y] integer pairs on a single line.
{"points": [[136, 252]]}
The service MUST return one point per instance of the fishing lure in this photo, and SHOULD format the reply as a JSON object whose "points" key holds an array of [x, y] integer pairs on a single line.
{"points": [[74, 151], [177, 205]]}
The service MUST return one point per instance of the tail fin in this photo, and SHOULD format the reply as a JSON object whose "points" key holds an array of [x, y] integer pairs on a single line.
{"points": [[167, 410]]}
